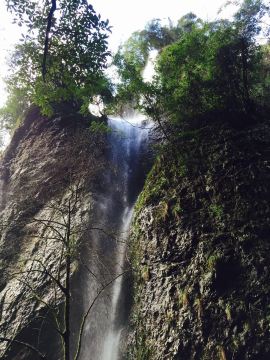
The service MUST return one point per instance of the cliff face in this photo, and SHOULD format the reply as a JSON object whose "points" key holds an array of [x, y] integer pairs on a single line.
{"points": [[200, 244], [201, 249], [47, 162]]}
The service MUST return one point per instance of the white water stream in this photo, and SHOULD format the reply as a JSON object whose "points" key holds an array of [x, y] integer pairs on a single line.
{"points": [[106, 257], [112, 339]]}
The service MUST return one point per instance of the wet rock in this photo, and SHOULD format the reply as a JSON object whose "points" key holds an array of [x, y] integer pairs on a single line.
{"points": [[34, 177], [209, 294]]}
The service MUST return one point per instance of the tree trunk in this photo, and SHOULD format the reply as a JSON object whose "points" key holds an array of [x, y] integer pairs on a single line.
{"points": [[246, 95], [67, 286]]}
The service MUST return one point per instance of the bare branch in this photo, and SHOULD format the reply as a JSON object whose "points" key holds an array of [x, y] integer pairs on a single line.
{"points": [[49, 221], [88, 311], [47, 224], [28, 346], [47, 272]]}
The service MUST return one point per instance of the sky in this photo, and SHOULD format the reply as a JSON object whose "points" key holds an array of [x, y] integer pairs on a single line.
{"points": [[125, 17]]}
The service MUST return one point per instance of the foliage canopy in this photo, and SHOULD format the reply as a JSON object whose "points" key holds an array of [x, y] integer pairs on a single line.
{"points": [[61, 56], [201, 68]]}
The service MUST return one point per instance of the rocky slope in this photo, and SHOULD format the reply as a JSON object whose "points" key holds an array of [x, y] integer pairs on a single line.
{"points": [[47, 162], [201, 249]]}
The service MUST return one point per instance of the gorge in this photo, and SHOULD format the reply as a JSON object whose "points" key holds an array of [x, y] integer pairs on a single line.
{"points": [[143, 235]]}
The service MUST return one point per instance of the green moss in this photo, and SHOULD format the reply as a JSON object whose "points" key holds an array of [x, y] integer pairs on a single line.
{"points": [[212, 261], [161, 212], [221, 353], [182, 168], [147, 193], [135, 247], [145, 273], [141, 349], [199, 307], [176, 211], [228, 312], [183, 298], [216, 211], [159, 184]]}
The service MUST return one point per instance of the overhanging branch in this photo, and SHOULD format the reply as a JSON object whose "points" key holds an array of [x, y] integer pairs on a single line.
{"points": [[46, 44]]}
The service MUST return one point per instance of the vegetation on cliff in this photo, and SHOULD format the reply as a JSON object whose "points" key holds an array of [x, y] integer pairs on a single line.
{"points": [[202, 69], [61, 57]]}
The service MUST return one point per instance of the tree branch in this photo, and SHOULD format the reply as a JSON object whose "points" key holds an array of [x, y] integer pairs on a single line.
{"points": [[28, 346], [47, 272], [46, 44], [88, 311]]}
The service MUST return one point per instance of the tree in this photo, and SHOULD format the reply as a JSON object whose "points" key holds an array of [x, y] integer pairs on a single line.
{"points": [[204, 70], [45, 278], [67, 233], [131, 60], [62, 54]]}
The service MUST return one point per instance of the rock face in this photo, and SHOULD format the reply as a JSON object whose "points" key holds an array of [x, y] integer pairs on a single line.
{"points": [[47, 162], [201, 249], [200, 244]]}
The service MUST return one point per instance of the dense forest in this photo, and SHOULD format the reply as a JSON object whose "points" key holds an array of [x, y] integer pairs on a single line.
{"points": [[201, 68], [198, 245]]}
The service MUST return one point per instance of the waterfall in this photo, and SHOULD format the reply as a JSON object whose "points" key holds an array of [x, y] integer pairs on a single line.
{"points": [[105, 253], [149, 70], [4, 138]]}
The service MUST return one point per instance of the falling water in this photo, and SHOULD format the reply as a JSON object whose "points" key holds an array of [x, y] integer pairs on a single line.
{"points": [[105, 255]]}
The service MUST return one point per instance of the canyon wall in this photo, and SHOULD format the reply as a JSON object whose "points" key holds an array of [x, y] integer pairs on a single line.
{"points": [[201, 249]]}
